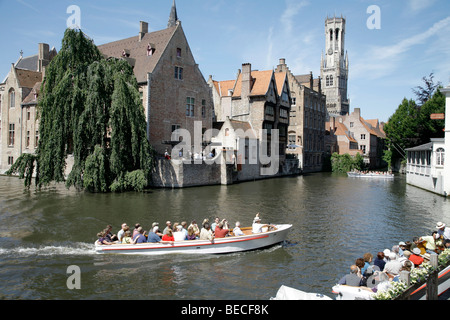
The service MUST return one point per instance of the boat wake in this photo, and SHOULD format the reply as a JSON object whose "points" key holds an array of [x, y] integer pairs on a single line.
{"points": [[73, 249]]}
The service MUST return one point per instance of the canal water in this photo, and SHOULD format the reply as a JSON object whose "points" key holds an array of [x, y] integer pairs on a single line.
{"points": [[335, 221]]}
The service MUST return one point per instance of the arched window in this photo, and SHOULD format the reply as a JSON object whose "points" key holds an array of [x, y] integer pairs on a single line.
{"points": [[331, 34], [12, 98], [337, 34], [440, 157]]}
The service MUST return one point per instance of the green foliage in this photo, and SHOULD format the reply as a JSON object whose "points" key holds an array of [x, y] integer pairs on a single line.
{"points": [[411, 124], [90, 107], [24, 166], [135, 180], [387, 157], [345, 162]]}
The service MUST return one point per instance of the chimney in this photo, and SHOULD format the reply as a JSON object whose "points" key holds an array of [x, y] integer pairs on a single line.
{"points": [[246, 85], [143, 29], [43, 56], [311, 80]]}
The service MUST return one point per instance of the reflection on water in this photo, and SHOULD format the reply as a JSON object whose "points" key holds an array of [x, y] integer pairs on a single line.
{"points": [[335, 221]]}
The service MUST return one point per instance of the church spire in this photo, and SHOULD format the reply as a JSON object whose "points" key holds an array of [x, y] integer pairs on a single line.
{"points": [[173, 16]]}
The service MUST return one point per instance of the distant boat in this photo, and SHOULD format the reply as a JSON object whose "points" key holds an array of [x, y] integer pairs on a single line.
{"points": [[249, 241], [371, 175]]}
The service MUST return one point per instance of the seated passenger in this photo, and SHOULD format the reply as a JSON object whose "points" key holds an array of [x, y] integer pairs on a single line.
{"points": [[206, 233], [153, 237], [257, 226], [191, 233], [195, 227], [126, 239], [168, 236], [103, 239], [139, 237], [220, 231], [179, 235], [237, 230]]}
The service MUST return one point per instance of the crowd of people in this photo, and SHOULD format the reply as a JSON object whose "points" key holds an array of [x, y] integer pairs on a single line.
{"points": [[388, 264], [177, 232]]}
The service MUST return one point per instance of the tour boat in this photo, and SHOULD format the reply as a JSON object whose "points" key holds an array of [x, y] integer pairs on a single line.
{"points": [[374, 175], [443, 286], [344, 292], [248, 241]]}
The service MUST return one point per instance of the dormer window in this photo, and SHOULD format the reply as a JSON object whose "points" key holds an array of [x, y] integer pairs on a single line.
{"points": [[125, 53], [150, 49]]}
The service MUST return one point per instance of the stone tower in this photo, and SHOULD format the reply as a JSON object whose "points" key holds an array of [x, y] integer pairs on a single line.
{"points": [[334, 67]]}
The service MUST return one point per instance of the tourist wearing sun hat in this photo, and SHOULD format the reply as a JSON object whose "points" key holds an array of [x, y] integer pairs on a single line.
{"points": [[443, 231]]}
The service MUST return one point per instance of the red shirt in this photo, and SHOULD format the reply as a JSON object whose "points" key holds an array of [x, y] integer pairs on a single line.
{"points": [[167, 238], [417, 260], [220, 233]]}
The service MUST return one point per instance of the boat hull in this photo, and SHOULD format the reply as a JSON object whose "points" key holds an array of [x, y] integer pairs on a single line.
{"points": [[370, 175], [218, 246], [443, 286]]}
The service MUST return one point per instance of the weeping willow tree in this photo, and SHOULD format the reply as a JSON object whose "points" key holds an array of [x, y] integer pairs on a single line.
{"points": [[90, 107]]}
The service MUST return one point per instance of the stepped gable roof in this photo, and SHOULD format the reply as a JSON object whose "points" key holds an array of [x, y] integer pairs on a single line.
{"points": [[136, 50], [260, 83]]}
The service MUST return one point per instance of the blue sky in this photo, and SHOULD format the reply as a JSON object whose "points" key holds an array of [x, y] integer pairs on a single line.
{"points": [[385, 63]]}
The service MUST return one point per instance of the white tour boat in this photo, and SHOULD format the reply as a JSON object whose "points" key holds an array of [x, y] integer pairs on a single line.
{"points": [[372, 175], [231, 244]]}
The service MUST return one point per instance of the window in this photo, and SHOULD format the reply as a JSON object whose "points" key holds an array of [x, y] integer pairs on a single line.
{"points": [[203, 109], [440, 157], [36, 139], [270, 111], [10, 161], [27, 144], [178, 73], [12, 98], [331, 80], [283, 113], [11, 134], [352, 124], [294, 101], [363, 137], [190, 105], [363, 148], [178, 52], [175, 135]]}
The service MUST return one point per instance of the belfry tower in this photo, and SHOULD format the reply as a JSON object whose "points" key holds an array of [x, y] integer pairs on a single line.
{"points": [[334, 67]]}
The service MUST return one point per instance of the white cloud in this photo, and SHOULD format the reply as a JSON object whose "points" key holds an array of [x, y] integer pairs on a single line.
{"points": [[384, 60], [418, 5], [292, 9]]}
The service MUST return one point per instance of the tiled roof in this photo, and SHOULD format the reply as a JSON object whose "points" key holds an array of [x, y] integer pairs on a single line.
{"points": [[28, 78], [30, 98], [223, 87], [260, 83], [341, 130], [137, 50], [280, 78]]}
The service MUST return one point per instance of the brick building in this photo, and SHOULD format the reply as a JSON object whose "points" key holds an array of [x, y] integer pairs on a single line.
{"points": [[19, 126], [354, 135], [259, 100], [308, 114], [174, 92]]}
